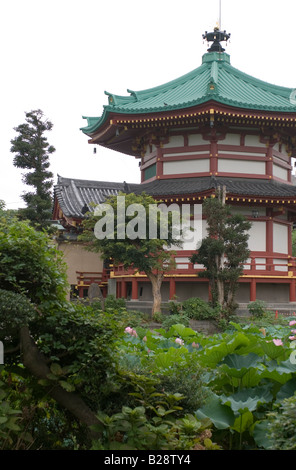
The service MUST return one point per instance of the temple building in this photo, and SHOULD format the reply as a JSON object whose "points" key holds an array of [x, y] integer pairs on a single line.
{"points": [[215, 126]]}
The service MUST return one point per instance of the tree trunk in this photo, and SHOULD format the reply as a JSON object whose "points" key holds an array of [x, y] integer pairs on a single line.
{"points": [[220, 282], [34, 361], [221, 259], [156, 281]]}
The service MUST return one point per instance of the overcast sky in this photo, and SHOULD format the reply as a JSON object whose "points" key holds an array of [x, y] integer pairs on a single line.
{"points": [[61, 55]]}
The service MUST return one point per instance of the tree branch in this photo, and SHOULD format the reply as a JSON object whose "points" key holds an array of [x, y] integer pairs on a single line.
{"points": [[35, 362]]}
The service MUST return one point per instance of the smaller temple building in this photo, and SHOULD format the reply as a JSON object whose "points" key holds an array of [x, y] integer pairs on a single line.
{"points": [[215, 126]]}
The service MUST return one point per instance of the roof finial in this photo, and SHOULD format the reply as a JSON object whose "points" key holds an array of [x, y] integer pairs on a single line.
{"points": [[216, 37]]}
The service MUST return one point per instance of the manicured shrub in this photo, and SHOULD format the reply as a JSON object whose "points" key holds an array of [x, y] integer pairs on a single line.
{"points": [[198, 309], [257, 308]]}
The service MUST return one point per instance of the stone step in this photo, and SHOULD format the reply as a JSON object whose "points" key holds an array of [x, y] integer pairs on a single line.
{"points": [[284, 308]]}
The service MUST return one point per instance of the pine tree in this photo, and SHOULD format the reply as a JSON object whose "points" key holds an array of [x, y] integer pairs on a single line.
{"points": [[224, 251], [32, 152]]}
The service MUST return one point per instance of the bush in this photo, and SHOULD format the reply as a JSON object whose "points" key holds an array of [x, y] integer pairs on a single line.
{"points": [[112, 302], [282, 426], [174, 319], [257, 308], [198, 309], [188, 383]]}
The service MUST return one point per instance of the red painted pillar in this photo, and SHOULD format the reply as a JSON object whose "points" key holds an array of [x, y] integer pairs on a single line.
{"points": [[269, 239], [292, 297], [214, 157], [123, 289], [210, 292], [134, 289], [290, 228], [253, 290], [269, 163], [172, 288], [159, 163]]}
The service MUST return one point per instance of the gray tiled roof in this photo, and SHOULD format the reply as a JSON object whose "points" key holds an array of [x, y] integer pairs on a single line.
{"points": [[73, 194], [242, 186]]}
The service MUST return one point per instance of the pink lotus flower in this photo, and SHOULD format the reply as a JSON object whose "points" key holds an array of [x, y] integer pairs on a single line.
{"points": [[278, 342], [179, 341], [131, 331], [195, 345], [293, 322], [292, 338], [293, 331]]}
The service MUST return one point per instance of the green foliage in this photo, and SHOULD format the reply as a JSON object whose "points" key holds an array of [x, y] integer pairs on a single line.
{"points": [[250, 372], [198, 309], [9, 420], [257, 308], [129, 242], [294, 242], [78, 343], [29, 263], [152, 423], [131, 429], [32, 153], [171, 320], [144, 254], [112, 302], [15, 311], [223, 252], [282, 424]]}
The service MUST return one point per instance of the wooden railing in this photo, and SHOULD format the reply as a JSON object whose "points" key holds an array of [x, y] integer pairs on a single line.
{"points": [[280, 265], [87, 278]]}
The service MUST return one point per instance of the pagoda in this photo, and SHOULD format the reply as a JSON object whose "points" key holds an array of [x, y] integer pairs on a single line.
{"points": [[215, 126]]}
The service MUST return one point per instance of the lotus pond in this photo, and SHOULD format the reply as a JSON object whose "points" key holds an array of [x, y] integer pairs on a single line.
{"points": [[247, 372]]}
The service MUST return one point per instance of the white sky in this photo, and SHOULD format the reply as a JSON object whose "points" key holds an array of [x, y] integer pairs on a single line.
{"points": [[61, 56]]}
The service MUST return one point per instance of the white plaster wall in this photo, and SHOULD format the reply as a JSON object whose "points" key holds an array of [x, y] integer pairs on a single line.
{"points": [[260, 264], [283, 265], [257, 239], [79, 259], [280, 238], [238, 152], [253, 141], [248, 265], [196, 139], [186, 166], [174, 141], [241, 166], [231, 139], [280, 172], [248, 211], [148, 151], [183, 154]]}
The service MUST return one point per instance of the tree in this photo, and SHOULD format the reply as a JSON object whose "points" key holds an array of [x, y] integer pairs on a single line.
{"points": [[294, 242], [62, 351], [32, 152], [126, 239], [223, 251]]}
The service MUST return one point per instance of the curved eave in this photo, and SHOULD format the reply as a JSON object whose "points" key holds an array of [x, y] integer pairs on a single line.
{"points": [[204, 100], [94, 124]]}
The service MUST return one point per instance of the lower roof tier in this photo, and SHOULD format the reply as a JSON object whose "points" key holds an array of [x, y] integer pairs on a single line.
{"points": [[75, 196]]}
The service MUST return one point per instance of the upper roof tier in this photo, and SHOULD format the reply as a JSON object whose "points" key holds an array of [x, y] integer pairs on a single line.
{"points": [[214, 80]]}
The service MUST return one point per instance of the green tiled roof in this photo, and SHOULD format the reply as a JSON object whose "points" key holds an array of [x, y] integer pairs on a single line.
{"points": [[215, 79]]}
